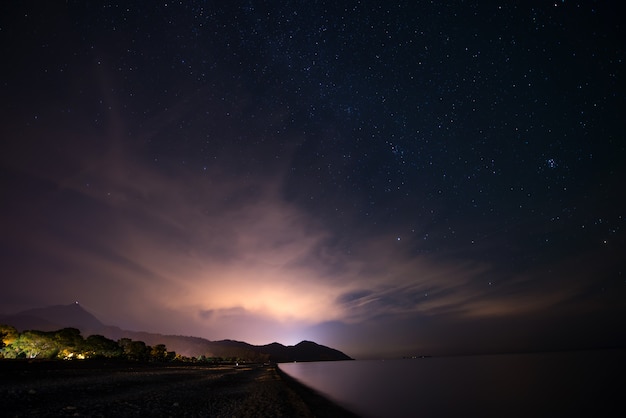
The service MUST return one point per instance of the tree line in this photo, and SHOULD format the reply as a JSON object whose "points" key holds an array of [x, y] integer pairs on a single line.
{"points": [[69, 344]]}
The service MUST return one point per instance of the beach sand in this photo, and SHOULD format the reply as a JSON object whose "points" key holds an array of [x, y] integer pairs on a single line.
{"points": [[115, 389]]}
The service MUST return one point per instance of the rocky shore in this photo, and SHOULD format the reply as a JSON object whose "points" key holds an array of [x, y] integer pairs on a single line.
{"points": [[121, 389]]}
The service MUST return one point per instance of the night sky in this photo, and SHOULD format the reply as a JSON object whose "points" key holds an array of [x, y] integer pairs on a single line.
{"points": [[386, 178]]}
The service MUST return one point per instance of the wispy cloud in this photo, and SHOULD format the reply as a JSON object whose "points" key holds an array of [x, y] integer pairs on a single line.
{"points": [[212, 247]]}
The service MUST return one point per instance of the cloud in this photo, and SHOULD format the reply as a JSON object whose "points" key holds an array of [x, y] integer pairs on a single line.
{"points": [[212, 248], [230, 244], [209, 240]]}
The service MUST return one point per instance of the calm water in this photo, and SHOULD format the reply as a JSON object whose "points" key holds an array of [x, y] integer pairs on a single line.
{"points": [[586, 384]]}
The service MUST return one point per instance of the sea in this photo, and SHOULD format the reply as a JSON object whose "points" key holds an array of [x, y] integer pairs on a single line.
{"points": [[556, 384]]}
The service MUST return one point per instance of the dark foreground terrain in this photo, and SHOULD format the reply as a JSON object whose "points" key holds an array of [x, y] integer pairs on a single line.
{"points": [[111, 389]]}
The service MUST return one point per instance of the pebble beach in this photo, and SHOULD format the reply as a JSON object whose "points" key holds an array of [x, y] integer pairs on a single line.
{"points": [[112, 389]]}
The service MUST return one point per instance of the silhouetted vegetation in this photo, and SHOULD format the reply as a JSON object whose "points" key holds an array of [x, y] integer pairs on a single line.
{"points": [[113, 342], [69, 344]]}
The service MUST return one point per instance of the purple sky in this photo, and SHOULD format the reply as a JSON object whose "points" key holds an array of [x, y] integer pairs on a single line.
{"points": [[383, 181]]}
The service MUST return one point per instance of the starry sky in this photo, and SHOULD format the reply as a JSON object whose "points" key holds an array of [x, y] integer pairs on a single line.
{"points": [[385, 178]]}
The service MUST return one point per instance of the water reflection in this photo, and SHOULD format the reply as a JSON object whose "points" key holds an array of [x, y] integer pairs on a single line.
{"points": [[522, 385]]}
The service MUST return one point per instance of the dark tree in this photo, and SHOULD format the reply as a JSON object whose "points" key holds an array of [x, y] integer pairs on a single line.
{"points": [[100, 346], [137, 350], [158, 353]]}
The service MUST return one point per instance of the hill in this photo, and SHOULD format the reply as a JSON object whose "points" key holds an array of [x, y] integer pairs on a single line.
{"points": [[53, 318]]}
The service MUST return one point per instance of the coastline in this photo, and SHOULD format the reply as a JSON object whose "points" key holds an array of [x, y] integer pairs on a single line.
{"points": [[126, 389], [319, 404]]}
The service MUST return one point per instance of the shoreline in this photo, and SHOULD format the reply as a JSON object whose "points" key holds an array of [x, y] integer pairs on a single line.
{"points": [[126, 389], [319, 404]]}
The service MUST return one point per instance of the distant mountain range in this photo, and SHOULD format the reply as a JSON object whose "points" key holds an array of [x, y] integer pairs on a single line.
{"points": [[56, 317]]}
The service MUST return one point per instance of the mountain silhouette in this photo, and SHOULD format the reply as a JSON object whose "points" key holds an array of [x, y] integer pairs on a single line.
{"points": [[303, 351], [56, 317]]}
